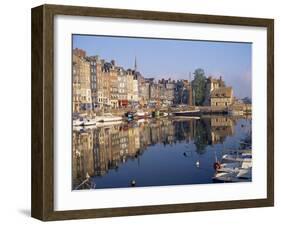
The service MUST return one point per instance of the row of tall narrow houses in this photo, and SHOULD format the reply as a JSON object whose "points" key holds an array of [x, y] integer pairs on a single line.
{"points": [[98, 84]]}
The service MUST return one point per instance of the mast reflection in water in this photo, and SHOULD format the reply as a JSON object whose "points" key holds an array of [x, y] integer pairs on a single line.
{"points": [[154, 152]]}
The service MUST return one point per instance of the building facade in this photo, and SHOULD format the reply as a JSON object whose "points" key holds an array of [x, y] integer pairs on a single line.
{"points": [[222, 96], [101, 85], [130, 86], [82, 95], [211, 85], [122, 87]]}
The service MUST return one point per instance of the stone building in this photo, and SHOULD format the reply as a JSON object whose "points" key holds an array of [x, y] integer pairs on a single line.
{"points": [[135, 89], [96, 80], [106, 84], [82, 98], [75, 86], [113, 83], [222, 96], [122, 87], [212, 84], [161, 92], [169, 90], [130, 86], [143, 91], [153, 92]]}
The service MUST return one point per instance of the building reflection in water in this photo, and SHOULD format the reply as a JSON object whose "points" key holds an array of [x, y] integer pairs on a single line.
{"points": [[100, 149]]}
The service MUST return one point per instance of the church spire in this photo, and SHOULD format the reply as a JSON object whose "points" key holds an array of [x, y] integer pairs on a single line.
{"points": [[135, 67]]}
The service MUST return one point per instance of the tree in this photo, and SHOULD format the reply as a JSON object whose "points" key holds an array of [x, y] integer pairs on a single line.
{"points": [[199, 86]]}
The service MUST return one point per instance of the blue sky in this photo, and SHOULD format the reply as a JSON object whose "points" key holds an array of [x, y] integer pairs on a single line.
{"points": [[165, 58]]}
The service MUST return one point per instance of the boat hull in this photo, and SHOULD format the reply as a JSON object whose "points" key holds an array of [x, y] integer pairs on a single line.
{"points": [[187, 113]]}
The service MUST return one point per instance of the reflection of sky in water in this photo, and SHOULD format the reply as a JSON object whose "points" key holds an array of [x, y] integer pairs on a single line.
{"points": [[171, 164]]}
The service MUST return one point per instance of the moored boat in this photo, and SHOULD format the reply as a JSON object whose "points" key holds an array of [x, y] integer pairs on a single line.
{"points": [[236, 158], [107, 117], [195, 112], [242, 175], [141, 114], [78, 122], [89, 122], [108, 123]]}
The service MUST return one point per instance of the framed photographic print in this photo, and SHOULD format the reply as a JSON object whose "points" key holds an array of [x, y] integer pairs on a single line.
{"points": [[141, 112]]}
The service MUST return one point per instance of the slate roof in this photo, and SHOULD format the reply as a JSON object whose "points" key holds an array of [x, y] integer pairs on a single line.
{"points": [[222, 92]]}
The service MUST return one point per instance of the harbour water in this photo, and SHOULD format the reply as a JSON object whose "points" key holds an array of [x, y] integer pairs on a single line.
{"points": [[154, 152]]}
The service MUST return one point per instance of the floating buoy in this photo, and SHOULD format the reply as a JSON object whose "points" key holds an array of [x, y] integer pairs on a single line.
{"points": [[133, 183]]}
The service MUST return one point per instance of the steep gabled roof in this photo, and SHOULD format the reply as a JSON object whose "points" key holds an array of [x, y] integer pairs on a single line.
{"points": [[222, 92]]}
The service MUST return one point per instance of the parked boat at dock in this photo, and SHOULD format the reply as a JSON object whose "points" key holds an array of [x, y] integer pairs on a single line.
{"points": [[108, 123], [186, 118], [84, 122], [236, 158], [142, 114], [187, 113], [89, 122], [78, 122], [108, 117], [242, 175], [234, 167]]}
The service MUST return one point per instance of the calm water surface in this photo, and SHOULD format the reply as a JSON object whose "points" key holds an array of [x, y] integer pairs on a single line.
{"points": [[154, 152]]}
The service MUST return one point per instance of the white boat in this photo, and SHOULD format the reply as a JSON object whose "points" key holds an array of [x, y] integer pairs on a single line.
{"points": [[234, 166], [109, 123], [89, 122], [141, 120], [108, 117], [245, 174], [142, 114], [78, 122], [186, 117], [236, 158], [228, 167], [187, 113], [78, 128], [241, 175]]}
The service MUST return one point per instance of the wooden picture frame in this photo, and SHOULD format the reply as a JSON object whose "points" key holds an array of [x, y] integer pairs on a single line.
{"points": [[43, 111]]}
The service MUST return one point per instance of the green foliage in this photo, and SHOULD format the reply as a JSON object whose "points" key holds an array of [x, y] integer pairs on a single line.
{"points": [[199, 86]]}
